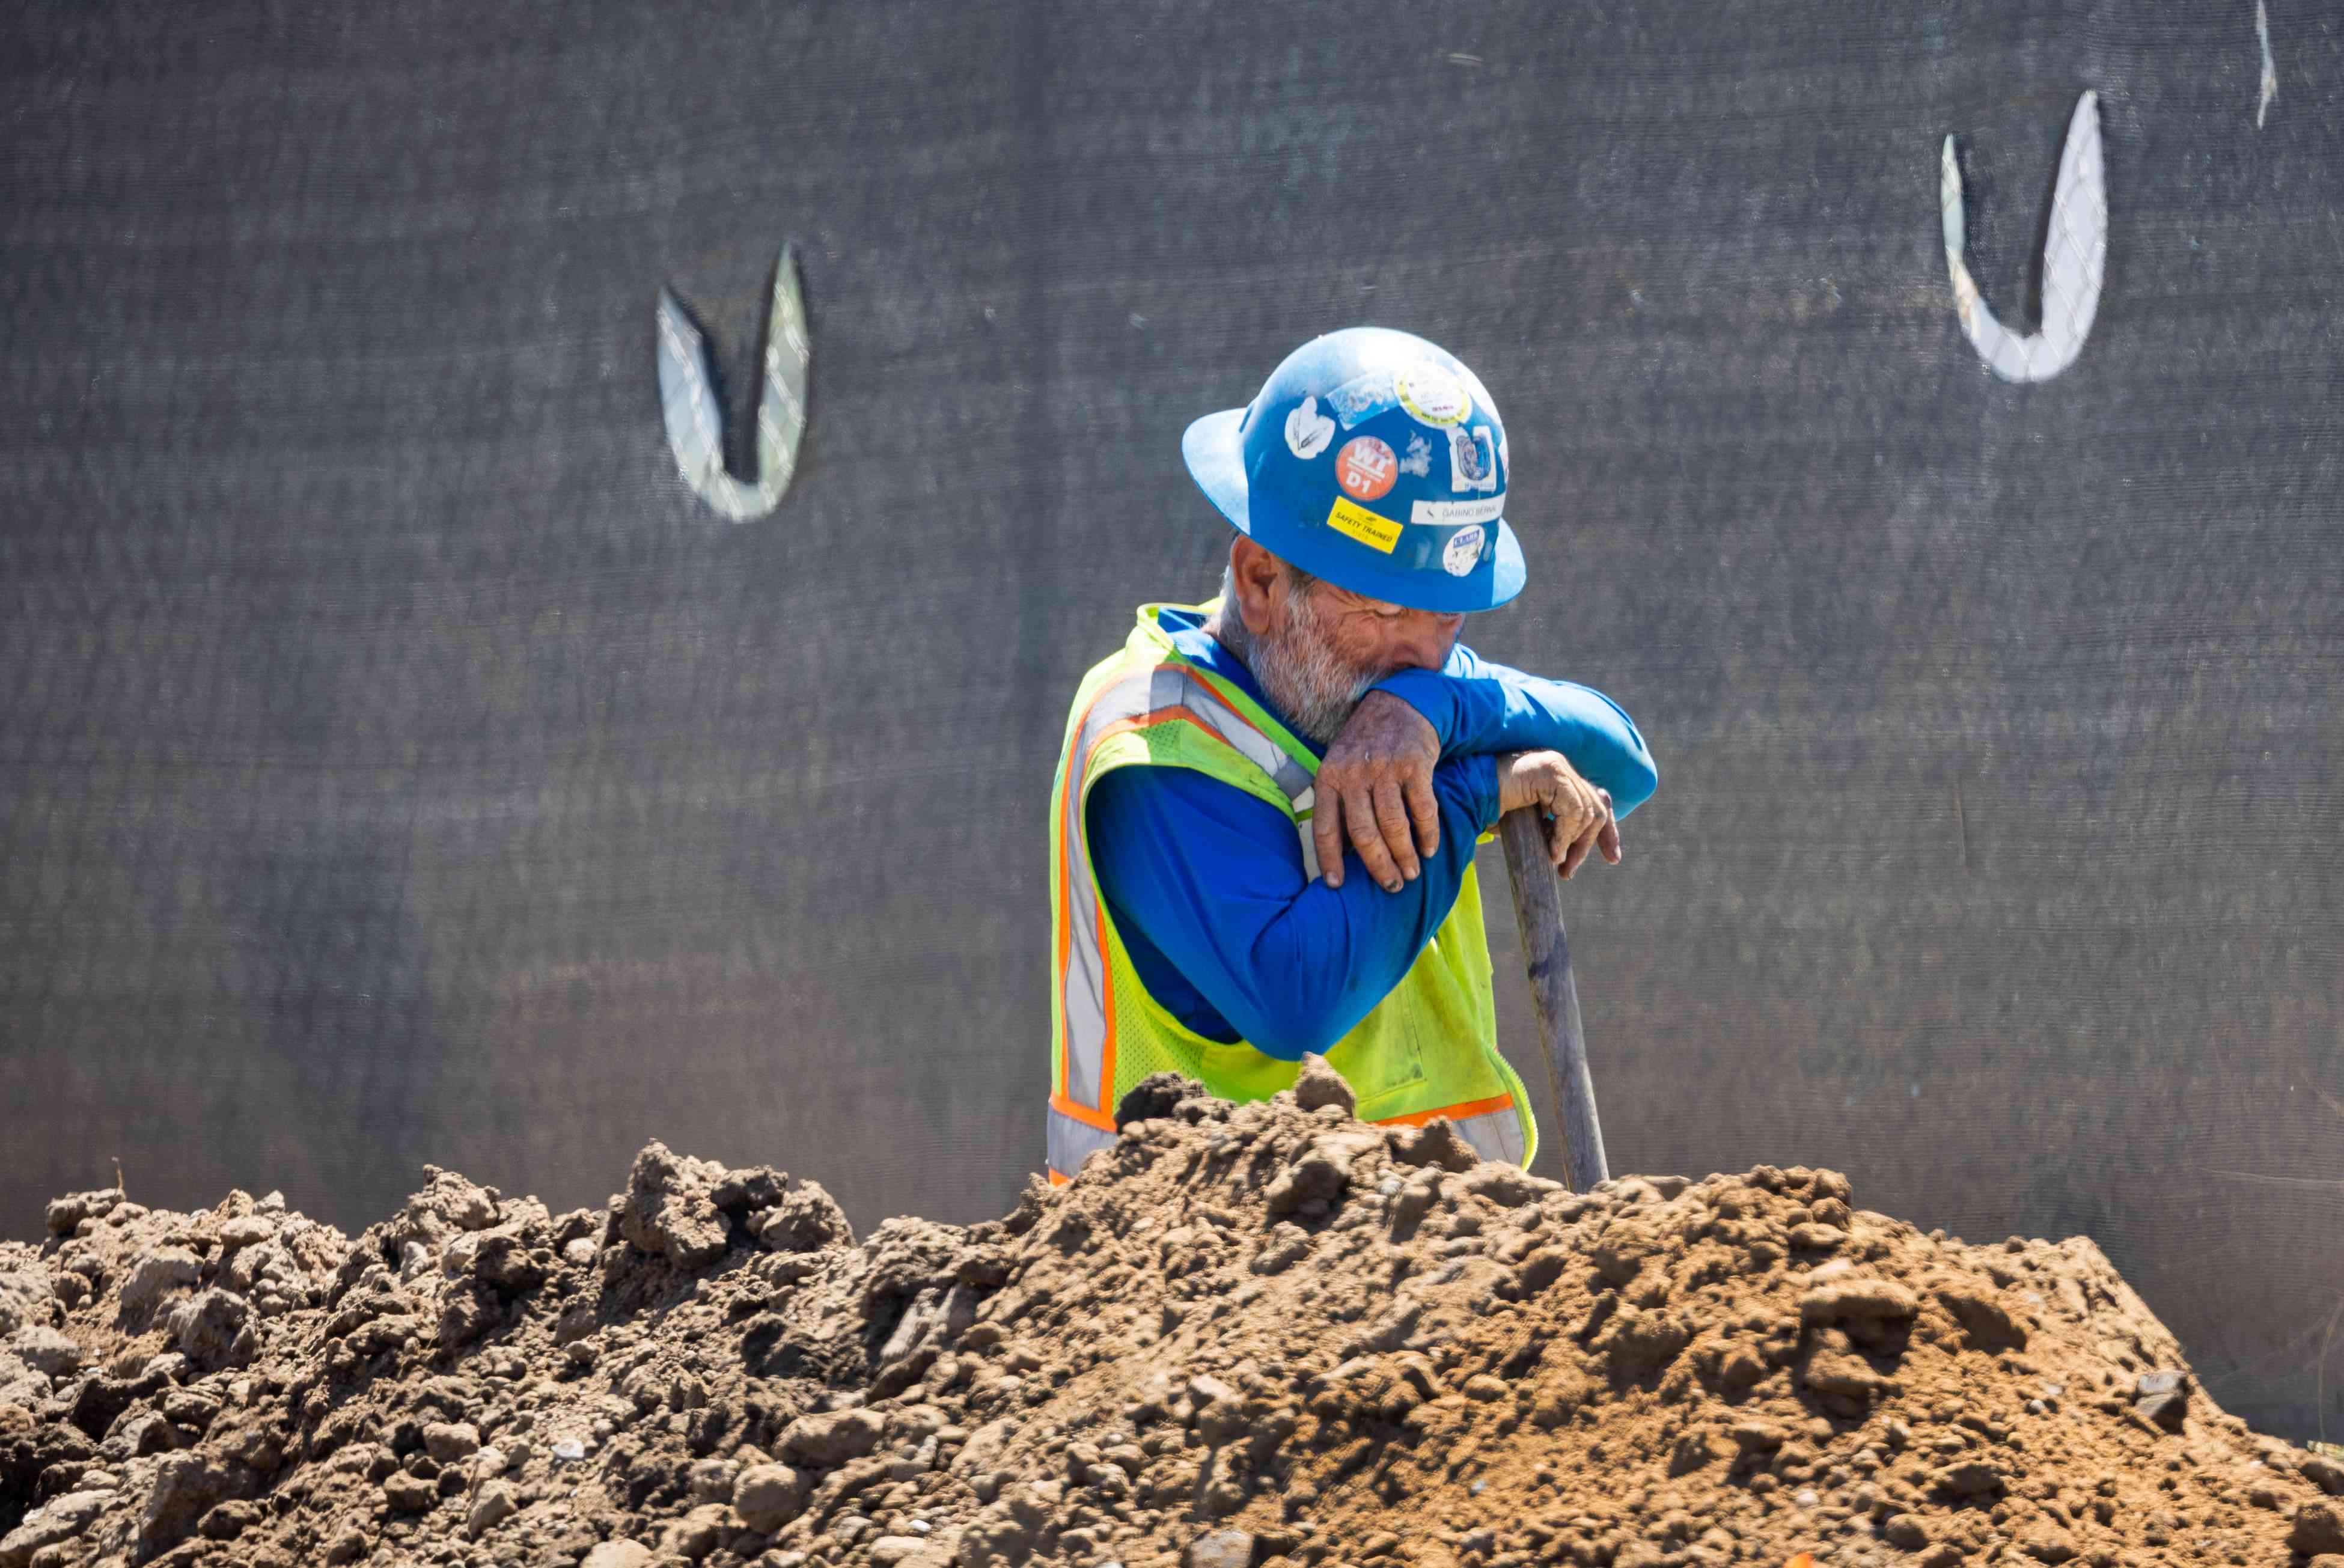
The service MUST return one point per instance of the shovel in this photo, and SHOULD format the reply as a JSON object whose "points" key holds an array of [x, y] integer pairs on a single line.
{"points": [[1546, 951]]}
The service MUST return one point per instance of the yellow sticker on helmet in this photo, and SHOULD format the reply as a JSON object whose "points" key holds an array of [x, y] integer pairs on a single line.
{"points": [[1431, 395], [1349, 516]]}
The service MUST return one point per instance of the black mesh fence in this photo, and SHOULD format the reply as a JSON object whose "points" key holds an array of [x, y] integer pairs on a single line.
{"points": [[400, 762]]}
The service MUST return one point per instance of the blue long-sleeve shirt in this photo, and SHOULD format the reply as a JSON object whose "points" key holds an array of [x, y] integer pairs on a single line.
{"points": [[1206, 883]]}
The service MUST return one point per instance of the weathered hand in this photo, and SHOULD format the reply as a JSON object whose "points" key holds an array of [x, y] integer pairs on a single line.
{"points": [[1577, 815], [1376, 786]]}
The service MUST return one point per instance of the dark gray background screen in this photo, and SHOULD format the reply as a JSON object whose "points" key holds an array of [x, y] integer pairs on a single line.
{"points": [[399, 764]]}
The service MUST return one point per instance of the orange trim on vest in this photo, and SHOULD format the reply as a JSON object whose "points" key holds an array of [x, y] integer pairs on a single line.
{"points": [[1065, 922], [1470, 1107], [1089, 1116], [1065, 912], [1161, 715], [1106, 1007]]}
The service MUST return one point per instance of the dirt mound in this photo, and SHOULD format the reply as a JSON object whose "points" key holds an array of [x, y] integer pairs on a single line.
{"points": [[1252, 1335]]}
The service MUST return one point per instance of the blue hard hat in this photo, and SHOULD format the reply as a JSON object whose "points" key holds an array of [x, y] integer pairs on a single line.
{"points": [[1376, 461]]}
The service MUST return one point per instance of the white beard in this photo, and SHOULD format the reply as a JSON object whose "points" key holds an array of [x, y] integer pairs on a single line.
{"points": [[1314, 691]]}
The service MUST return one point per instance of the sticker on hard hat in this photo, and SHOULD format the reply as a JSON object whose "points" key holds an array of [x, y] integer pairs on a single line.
{"points": [[1463, 551], [1356, 521], [1432, 395], [1366, 468], [1488, 510], [1472, 459], [1308, 431], [1362, 397], [1419, 460]]}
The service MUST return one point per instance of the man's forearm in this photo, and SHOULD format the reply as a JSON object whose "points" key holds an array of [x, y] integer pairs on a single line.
{"points": [[1478, 708]]}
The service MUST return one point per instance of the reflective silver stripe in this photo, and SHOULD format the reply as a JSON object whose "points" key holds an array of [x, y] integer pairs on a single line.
{"points": [[1084, 997], [1071, 1142], [1305, 828], [1174, 686], [1494, 1135], [1290, 776]]}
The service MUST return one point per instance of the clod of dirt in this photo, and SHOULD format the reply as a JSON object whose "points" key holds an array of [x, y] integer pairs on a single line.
{"points": [[1250, 1337], [1318, 1084]]}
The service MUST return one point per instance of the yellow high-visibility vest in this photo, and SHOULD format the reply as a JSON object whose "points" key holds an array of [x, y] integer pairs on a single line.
{"points": [[1429, 1048]]}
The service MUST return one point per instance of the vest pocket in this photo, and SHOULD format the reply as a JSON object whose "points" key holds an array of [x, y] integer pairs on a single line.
{"points": [[1385, 1070], [1398, 1100]]}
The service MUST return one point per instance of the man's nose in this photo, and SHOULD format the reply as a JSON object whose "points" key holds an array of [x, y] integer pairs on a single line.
{"points": [[1427, 638]]}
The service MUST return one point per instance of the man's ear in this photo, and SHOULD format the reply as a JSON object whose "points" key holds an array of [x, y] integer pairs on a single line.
{"points": [[1260, 586]]}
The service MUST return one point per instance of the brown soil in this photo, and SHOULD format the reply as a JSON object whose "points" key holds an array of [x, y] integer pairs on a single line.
{"points": [[1258, 1335]]}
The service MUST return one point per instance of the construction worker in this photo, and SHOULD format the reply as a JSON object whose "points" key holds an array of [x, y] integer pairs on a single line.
{"points": [[1263, 826]]}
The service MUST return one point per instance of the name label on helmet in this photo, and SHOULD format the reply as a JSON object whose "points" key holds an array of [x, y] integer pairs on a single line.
{"points": [[1356, 522], [1486, 509]]}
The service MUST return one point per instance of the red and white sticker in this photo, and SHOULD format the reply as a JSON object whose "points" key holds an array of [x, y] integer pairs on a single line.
{"points": [[1366, 468]]}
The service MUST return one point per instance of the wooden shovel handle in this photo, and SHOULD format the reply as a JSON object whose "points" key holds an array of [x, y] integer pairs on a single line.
{"points": [[1546, 951]]}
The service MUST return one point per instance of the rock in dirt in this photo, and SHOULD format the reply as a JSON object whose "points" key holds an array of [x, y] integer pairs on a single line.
{"points": [[61, 1519], [493, 1506], [1244, 1335], [2319, 1529], [410, 1493], [617, 1555], [768, 1496], [152, 1277], [1840, 1298], [1320, 1084], [47, 1350], [27, 1300], [668, 1210], [208, 1329], [449, 1442], [833, 1439], [1221, 1549]]}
